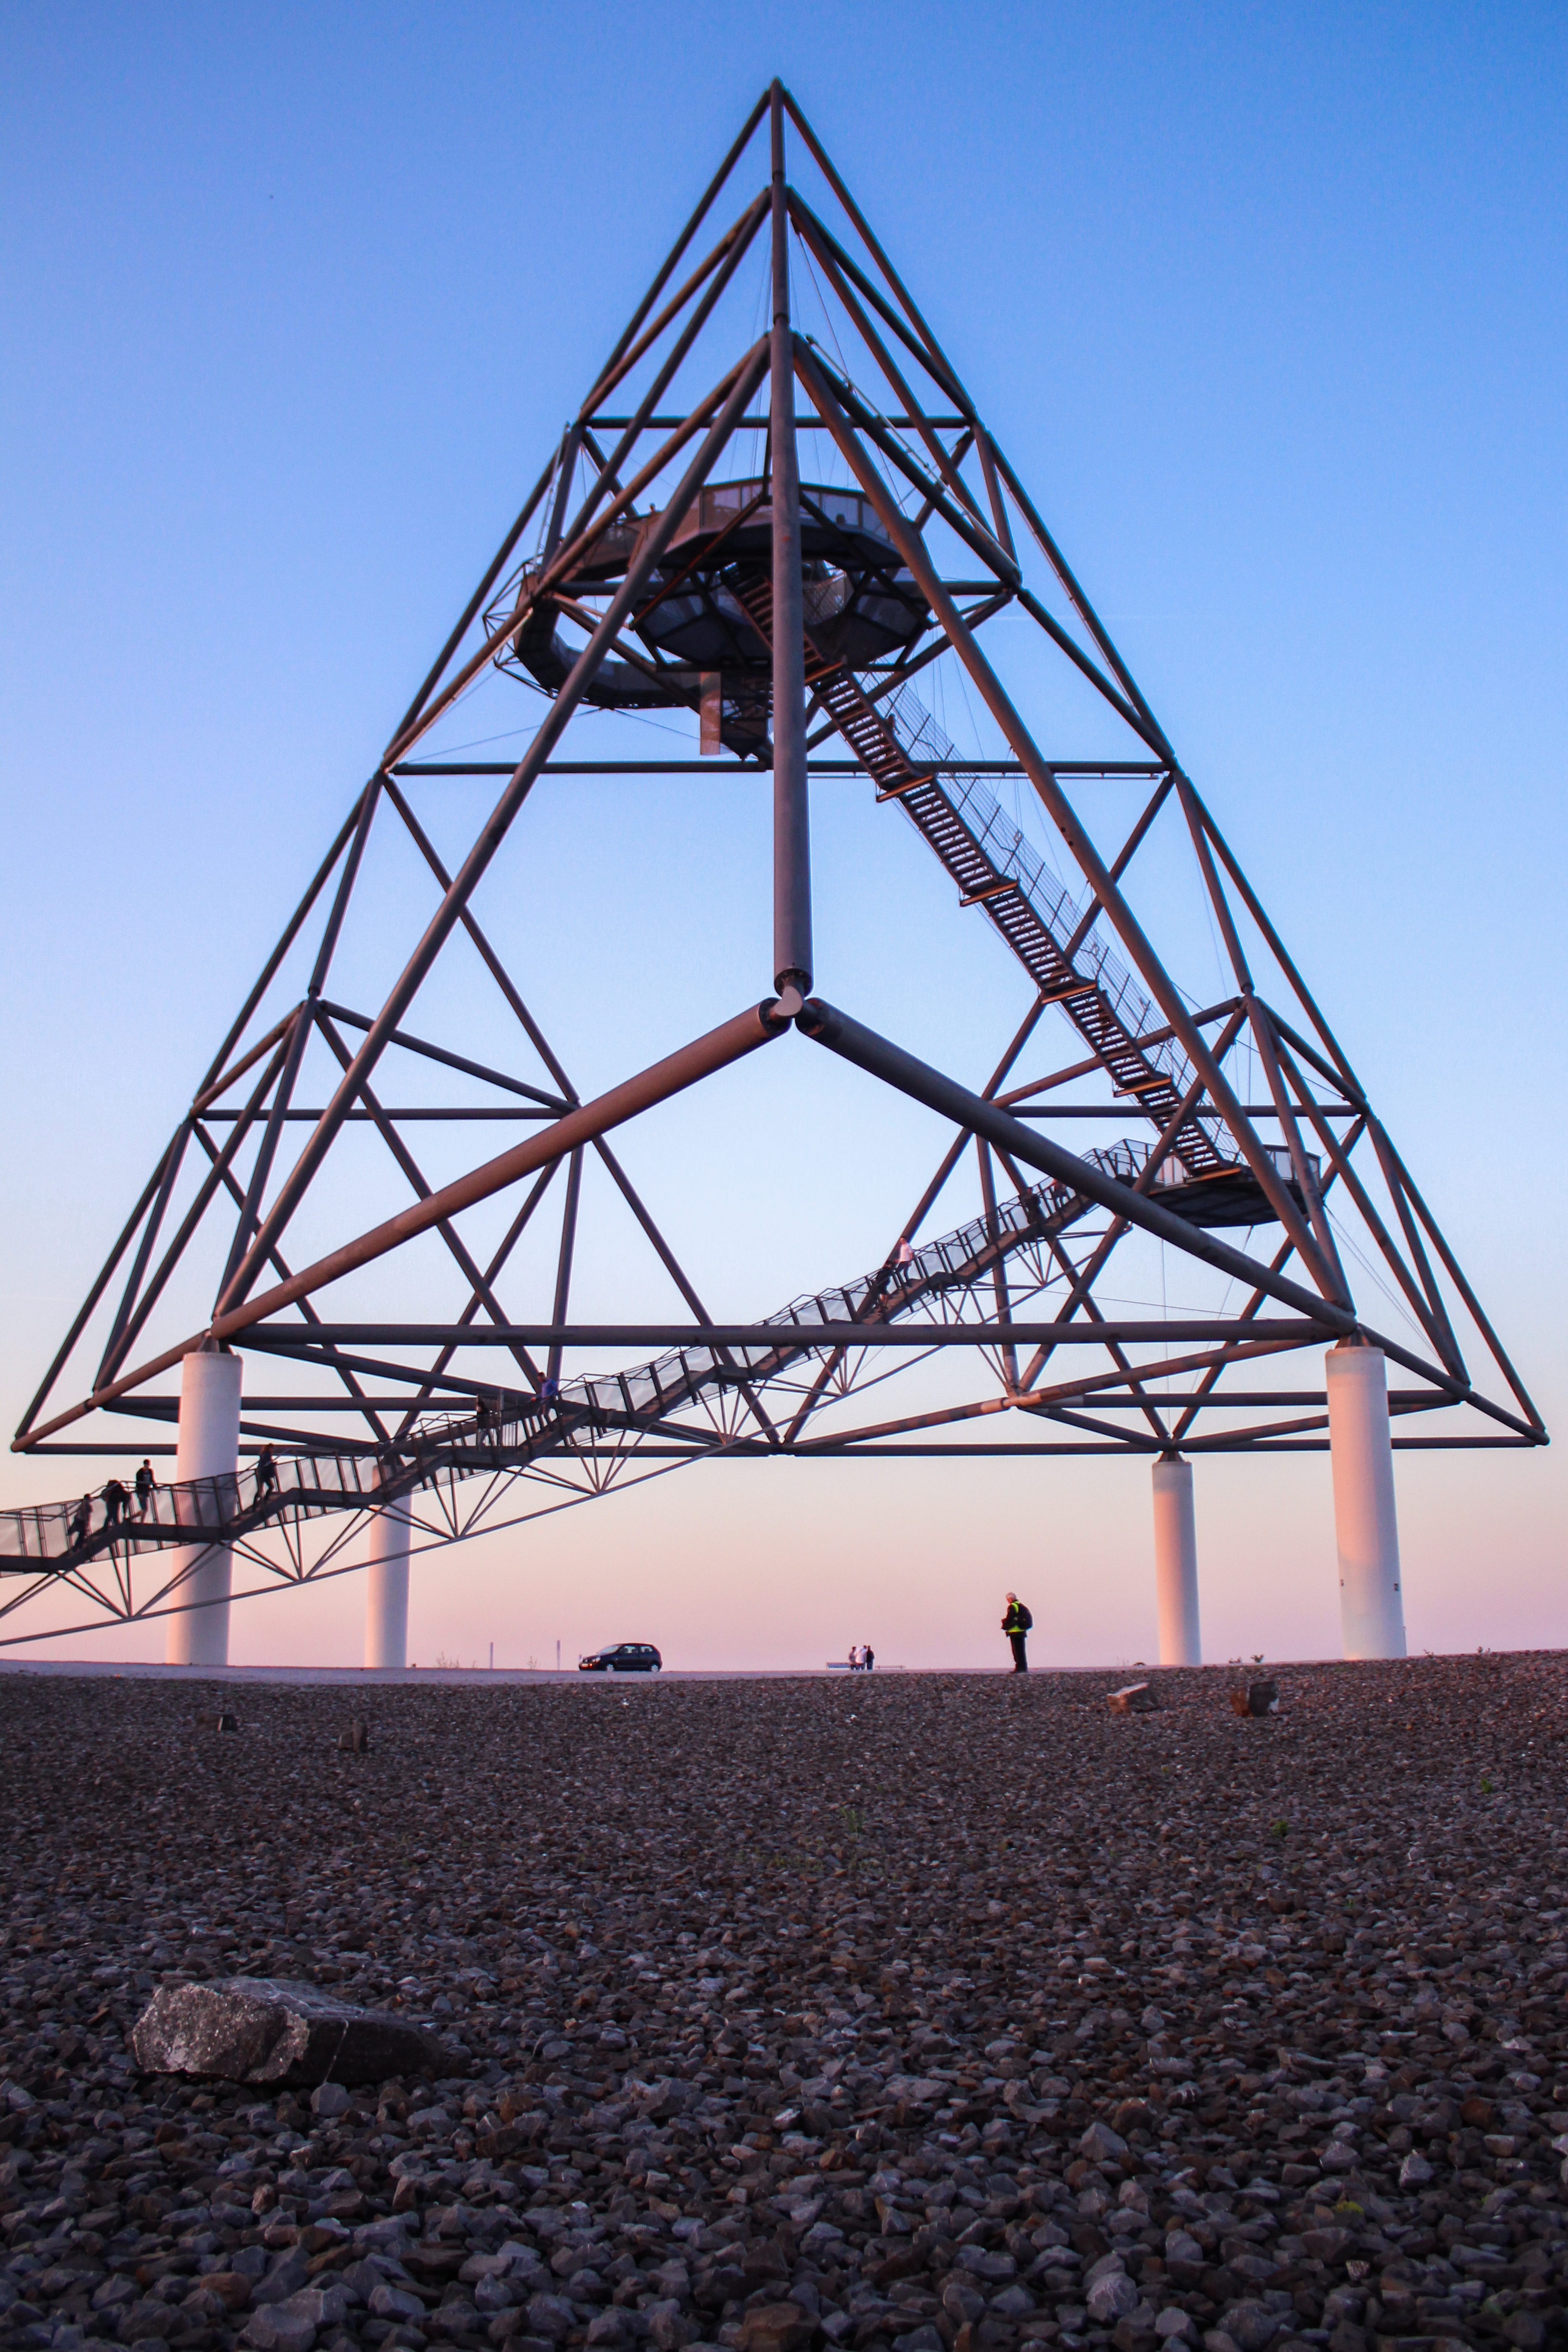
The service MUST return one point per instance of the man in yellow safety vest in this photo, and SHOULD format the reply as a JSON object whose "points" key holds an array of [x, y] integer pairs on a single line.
{"points": [[1016, 1625]]}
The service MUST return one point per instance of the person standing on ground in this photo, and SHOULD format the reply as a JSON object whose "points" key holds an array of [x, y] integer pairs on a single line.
{"points": [[868, 1657], [1016, 1625]]}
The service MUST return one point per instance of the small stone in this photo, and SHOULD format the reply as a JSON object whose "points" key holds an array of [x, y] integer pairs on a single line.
{"points": [[1133, 1698], [329, 2099], [1175, 2322], [1111, 2298], [1326, 2245], [1252, 2324], [388, 2301], [324, 2306], [286, 2277], [1414, 2172], [551, 2316], [1132, 2115], [231, 2288], [668, 2327], [1101, 2145], [277, 2327], [776, 2327]]}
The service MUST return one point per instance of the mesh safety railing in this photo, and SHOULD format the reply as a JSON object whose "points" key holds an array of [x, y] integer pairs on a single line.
{"points": [[1010, 851]]}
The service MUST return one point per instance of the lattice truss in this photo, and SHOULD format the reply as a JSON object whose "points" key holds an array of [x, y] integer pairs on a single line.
{"points": [[776, 534]]}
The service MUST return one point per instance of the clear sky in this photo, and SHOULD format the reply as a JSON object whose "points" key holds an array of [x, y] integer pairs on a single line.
{"points": [[1265, 303]]}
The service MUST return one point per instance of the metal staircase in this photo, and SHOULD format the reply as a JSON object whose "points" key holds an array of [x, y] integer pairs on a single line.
{"points": [[911, 761]]}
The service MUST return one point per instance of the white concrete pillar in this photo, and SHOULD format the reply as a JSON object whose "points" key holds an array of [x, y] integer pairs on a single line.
{"points": [[386, 1589], [1370, 1606], [1175, 1563], [208, 1448]]}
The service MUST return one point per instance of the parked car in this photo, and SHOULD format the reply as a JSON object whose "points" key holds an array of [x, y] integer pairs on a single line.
{"points": [[621, 1658]]}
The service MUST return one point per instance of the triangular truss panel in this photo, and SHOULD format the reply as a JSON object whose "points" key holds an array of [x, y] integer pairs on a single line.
{"points": [[780, 536]]}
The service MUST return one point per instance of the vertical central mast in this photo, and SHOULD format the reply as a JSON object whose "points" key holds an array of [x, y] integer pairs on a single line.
{"points": [[791, 817]]}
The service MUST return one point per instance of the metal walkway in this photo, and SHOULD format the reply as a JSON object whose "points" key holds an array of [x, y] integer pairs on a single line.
{"points": [[522, 1429]]}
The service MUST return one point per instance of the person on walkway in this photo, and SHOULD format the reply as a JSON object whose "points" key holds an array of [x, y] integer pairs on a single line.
{"points": [[1016, 1625], [80, 1525], [868, 1657], [145, 1483], [265, 1472], [116, 1503]]}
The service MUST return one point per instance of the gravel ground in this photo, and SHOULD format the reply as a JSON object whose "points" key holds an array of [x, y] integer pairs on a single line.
{"points": [[915, 2013]]}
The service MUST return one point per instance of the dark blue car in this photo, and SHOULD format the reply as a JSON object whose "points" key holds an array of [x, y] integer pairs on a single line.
{"points": [[623, 1658]]}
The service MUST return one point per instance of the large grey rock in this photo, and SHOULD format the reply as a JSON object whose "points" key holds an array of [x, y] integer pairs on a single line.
{"points": [[264, 2030]]}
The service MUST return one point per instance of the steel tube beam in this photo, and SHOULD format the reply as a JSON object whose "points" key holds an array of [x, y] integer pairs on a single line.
{"points": [[1278, 1331], [708, 768], [791, 817], [890, 1063]]}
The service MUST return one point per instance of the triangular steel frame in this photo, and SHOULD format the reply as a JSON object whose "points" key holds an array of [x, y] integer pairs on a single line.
{"points": [[424, 1422]]}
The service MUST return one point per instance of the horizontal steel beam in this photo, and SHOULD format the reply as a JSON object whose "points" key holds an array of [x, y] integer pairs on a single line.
{"points": [[1123, 1110], [755, 1450], [1144, 768], [300, 1338], [427, 1110], [806, 423]]}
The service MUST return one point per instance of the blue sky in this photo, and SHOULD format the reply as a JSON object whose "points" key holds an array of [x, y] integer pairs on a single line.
{"points": [[1265, 304]]}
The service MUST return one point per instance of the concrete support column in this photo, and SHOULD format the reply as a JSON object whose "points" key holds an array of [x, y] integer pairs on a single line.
{"points": [[1175, 1563], [208, 1447], [1371, 1608], [386, 1589]]}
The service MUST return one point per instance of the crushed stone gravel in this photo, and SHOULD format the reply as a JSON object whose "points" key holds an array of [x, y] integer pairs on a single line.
{"points": [[913, 2014]]}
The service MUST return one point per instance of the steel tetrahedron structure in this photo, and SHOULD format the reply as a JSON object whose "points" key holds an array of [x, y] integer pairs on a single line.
{"points": [[765, 546]]}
